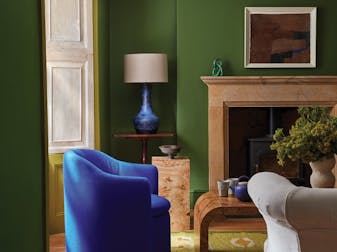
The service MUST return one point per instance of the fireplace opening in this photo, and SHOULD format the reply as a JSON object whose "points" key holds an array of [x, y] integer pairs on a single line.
{"points": [[250, 136]]}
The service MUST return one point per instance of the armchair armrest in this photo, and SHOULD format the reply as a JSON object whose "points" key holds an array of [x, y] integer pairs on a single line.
{"points": [[141, 170]]}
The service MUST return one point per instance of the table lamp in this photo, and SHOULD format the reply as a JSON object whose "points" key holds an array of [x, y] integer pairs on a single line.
{"points": [[145, 68]]}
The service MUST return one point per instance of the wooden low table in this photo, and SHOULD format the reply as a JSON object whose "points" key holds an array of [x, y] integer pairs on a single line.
{"points": [[210, 207]]}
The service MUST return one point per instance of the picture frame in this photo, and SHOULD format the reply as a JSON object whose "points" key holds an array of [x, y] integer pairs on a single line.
{"points": [[280, 37]]}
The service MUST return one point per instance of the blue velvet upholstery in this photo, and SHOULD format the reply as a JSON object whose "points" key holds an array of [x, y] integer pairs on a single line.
{"points": [[113, 206]]}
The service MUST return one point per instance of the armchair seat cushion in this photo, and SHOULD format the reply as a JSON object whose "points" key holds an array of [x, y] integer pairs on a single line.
{"points": [[159, 205]]}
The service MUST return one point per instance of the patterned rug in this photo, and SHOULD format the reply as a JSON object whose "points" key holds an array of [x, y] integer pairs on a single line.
{"points": [[221, 241]]}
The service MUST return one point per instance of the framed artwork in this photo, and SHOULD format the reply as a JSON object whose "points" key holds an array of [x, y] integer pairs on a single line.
{"points": [[280, 37]]}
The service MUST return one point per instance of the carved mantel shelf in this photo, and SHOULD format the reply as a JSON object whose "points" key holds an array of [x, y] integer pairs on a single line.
{"points": [[256, 91]]}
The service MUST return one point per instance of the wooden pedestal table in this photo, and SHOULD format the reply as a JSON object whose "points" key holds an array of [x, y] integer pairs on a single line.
{"points": [[210, 207], [174, 184], [144, 138]]}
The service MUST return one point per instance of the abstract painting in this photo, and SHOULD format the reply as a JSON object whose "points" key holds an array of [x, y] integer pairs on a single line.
{"points": [[280, 37]]}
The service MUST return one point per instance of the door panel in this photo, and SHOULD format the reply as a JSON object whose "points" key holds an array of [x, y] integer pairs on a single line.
{"points": [[65, 20], [70, 124]]}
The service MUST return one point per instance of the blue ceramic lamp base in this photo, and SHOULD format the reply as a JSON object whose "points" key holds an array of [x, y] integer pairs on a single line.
{"points": [[146, 122]]}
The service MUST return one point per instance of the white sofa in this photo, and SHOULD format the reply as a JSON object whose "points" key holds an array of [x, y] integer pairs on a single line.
{"points": [[297, 218]]}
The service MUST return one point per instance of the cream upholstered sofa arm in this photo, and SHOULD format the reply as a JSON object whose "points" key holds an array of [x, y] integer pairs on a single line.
{"points": [[297, 218], [269, 192], [312, 208]]}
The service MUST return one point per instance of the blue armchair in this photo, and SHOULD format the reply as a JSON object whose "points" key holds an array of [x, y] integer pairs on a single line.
{"points": [[113, 206]]}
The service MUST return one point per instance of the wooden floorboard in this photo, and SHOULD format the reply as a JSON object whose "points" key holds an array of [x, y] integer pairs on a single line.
{"points": [[56, 243]]}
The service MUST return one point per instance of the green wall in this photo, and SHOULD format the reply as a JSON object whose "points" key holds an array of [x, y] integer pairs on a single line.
{"points": [[22, 211], [209, 29], [103, 73], [191, 32], [136, 27]]}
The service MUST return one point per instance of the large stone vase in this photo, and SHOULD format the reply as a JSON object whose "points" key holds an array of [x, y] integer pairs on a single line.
{"points": [[322, 176]]}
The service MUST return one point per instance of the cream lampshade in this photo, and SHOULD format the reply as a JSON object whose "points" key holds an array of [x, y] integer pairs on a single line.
{"points": [[145, 68]]}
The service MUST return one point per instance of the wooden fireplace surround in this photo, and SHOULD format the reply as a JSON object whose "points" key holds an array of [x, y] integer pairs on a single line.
{"points": [[257, 91]]}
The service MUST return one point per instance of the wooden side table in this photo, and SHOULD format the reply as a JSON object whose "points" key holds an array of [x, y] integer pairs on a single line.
{"points": [[143, 138], [174, 184], [210, 207]]}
